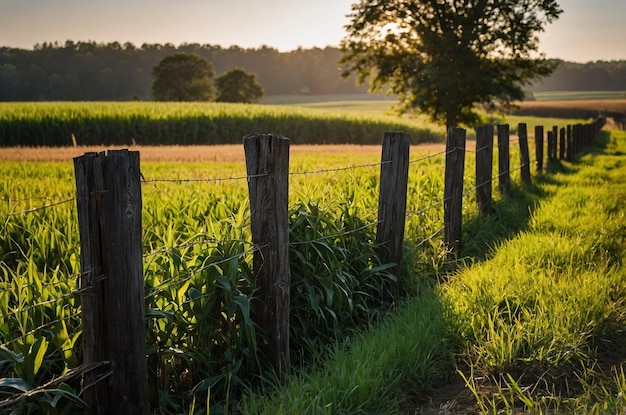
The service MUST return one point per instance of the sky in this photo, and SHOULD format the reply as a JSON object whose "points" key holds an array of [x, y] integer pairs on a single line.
{"points": [[588, 30]]}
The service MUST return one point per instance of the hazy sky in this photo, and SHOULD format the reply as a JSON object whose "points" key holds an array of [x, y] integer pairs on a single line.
{"points": [[587, 30]]}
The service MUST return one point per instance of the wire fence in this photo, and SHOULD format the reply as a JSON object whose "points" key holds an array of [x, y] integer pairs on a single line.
{"points": [[179, 277]]}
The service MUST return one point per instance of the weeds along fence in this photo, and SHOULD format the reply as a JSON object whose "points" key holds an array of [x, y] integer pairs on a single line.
{"points": [[104, 300]]}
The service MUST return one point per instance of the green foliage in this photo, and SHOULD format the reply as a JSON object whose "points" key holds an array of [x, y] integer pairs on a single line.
{"points": [[337, 281], [443, 58], [237, 85], [183, 77]]}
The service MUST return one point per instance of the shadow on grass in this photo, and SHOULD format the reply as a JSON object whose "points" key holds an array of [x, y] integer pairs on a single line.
{"points": [[510, 214]]}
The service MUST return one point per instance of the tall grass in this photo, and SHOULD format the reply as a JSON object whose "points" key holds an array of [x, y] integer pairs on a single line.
{"points": [[546, 313]]}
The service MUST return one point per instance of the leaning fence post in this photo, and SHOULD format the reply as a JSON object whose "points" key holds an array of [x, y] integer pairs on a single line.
{"points": [[453, 189], [484, 167], [267, 164], [523, 152], [112, 299], [504, 159], [394, 177]]}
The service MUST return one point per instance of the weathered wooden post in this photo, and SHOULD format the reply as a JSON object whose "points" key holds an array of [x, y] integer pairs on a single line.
{"points": [[562, 143], [453, 189], [576, 138], [539, 148], [484, 167], [523, 152], [569, 154], [551, 145], [394, 178], [113, 310], [555, 138], [504, 160], [267, 164]]}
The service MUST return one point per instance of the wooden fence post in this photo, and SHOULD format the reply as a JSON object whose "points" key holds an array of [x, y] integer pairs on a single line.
{"points": [[267, 164], [484, 167], [504, 159], [555, 138], [113, 310], [562, 144], [569, 154], [551, 143], [523, 152], [453, 189], [539, 148], [394, 178]]}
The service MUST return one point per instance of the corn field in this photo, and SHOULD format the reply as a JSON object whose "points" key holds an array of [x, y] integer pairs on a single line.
{"points": [[66, 124], [197, 267]]}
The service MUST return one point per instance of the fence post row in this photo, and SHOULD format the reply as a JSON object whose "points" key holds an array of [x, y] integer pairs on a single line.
{"points": [[110, 208], [267, 165], [113, 310], [394, 179], [484, 167], [453, 189], [504, 160]]}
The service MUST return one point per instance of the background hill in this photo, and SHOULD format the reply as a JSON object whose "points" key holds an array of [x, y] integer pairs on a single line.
{"points": [[89, 71]]}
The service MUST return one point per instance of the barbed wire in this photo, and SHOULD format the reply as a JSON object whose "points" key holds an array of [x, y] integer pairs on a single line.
{"points": [[206, 180], [430, 156], [35, 209], [43, 303], [70, 374], [426, 209], [183, 246], [163, 285], [336, 235], [336, 169], [9, 199], [43, 326], [430, 238]]}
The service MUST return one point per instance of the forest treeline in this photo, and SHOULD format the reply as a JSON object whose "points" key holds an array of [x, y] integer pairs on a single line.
{"points": [[90, 71]]}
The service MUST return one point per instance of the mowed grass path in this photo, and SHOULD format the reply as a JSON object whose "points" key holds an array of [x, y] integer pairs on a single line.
{"points": [[539, 326]]}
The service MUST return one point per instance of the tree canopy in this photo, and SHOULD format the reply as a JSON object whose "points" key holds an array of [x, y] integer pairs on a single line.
{"points": [[237, 85], [183, 77], [444, 57]]}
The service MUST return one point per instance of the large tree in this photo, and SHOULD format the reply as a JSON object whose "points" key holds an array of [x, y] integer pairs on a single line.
{"points": [[442, 57], [183, 77], [238, 85]]}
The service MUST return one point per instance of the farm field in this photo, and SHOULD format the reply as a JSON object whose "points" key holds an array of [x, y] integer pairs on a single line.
{"points": [[196, 228], [199, 286]]}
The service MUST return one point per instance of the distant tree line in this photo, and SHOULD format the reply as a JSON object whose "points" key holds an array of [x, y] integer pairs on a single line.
{"points": [[114, 71], [591, 76]]}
